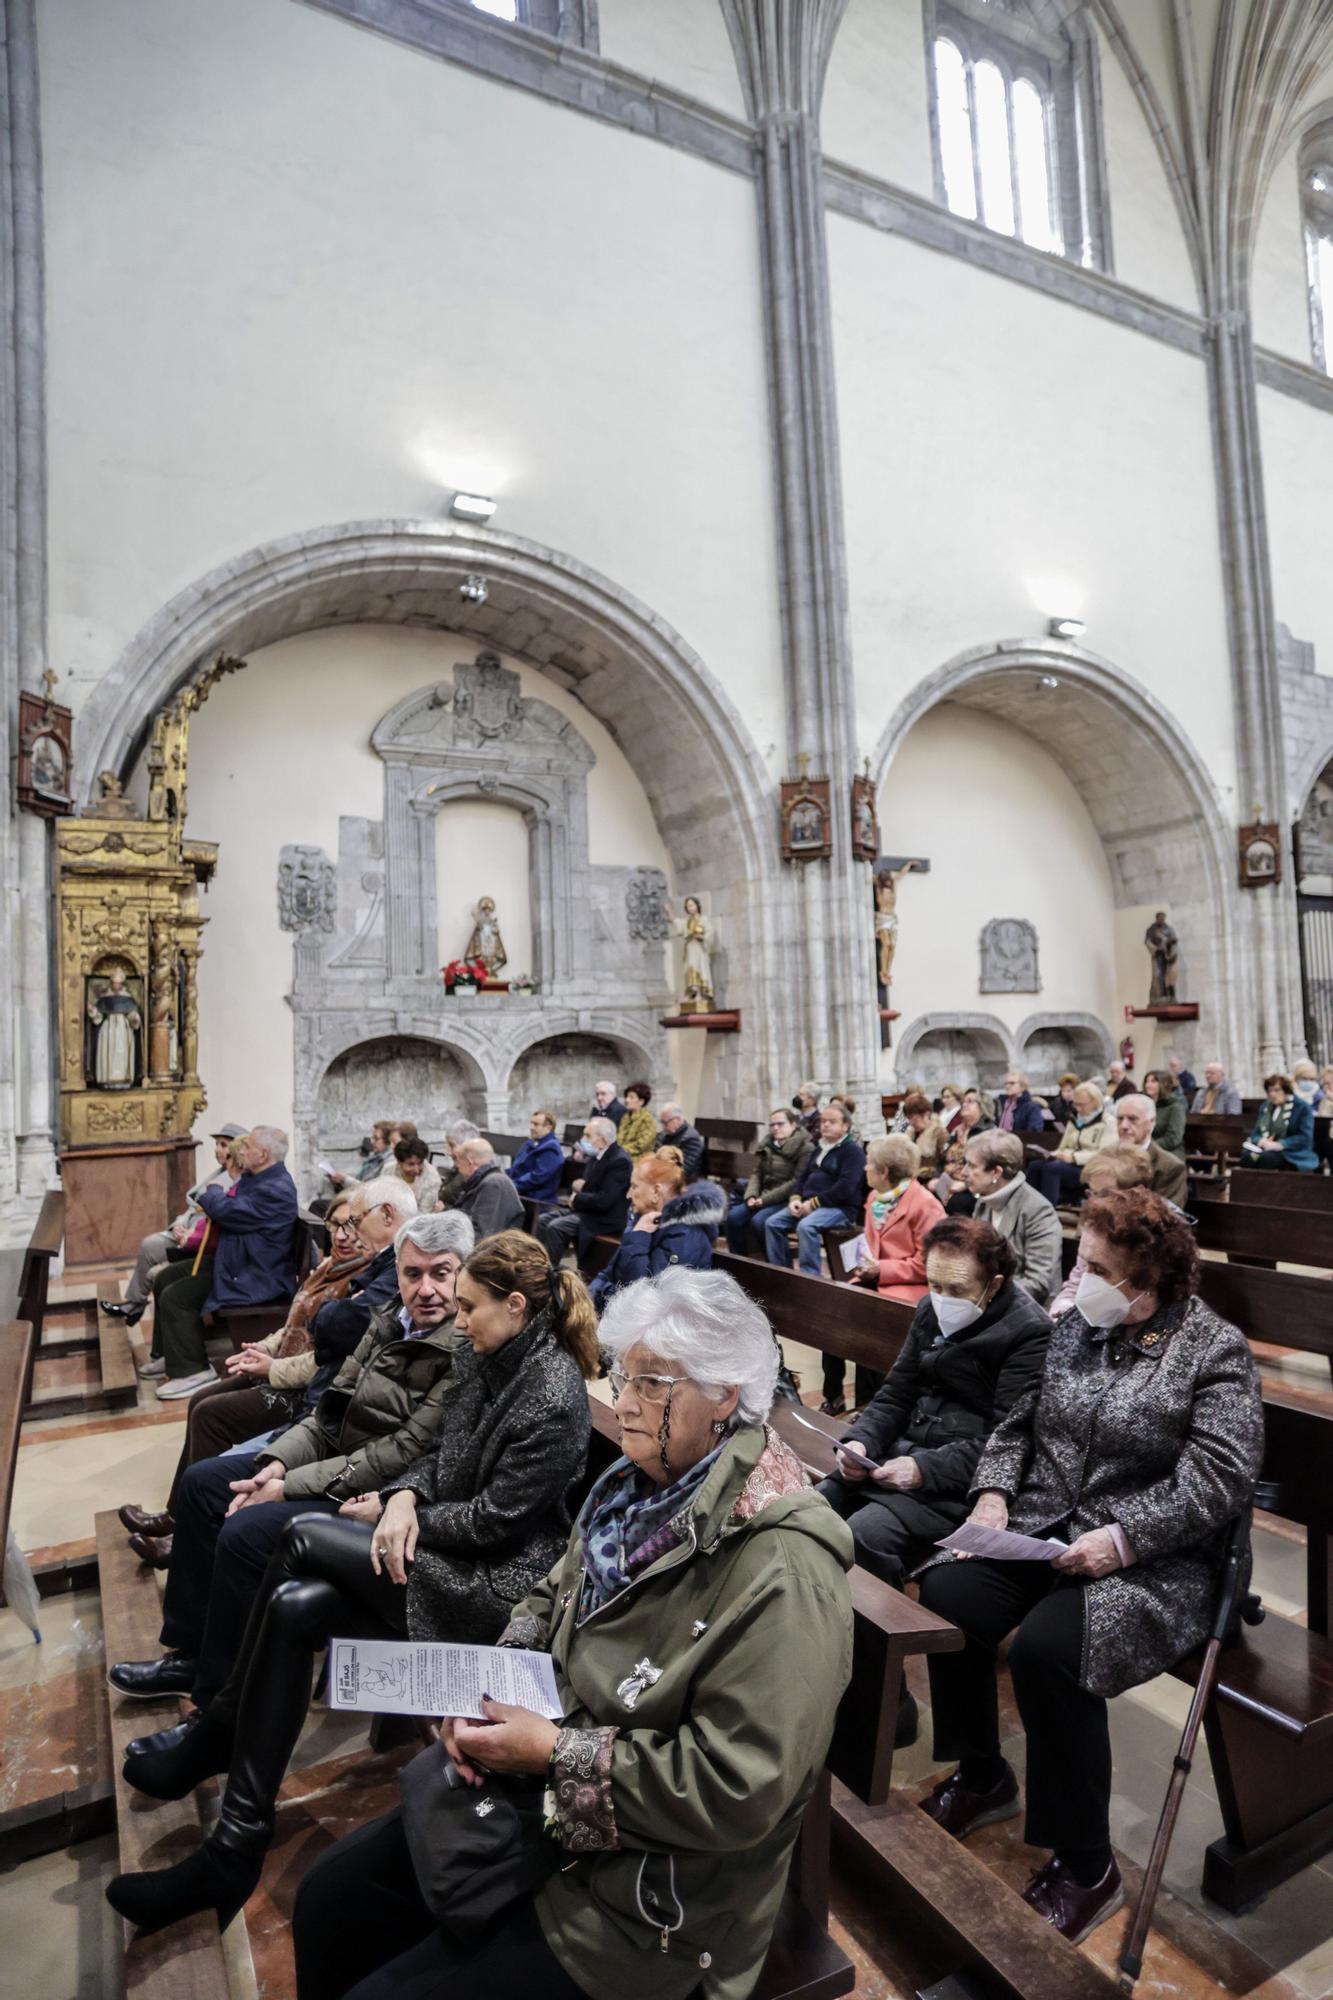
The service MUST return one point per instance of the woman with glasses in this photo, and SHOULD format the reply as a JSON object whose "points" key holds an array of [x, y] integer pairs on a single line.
{"points": [[264, 1384], [699, 1625], [442, 1553]]}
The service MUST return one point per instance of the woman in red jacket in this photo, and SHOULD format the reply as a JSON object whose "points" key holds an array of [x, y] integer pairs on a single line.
{"points": [[899, 1213]]}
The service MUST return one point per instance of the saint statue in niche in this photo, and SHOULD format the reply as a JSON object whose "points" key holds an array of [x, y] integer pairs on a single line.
{"points": [[114, 1024], [886, 917], [485, 942], [700, 938], [1164, 954]]}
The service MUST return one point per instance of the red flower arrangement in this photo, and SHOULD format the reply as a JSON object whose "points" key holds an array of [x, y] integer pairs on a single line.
{"points": [[472, 971]]}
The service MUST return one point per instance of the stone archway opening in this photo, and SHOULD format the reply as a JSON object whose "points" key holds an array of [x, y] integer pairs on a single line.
{"points": [[394, 1076], [562, 1071], [966, 1050]]}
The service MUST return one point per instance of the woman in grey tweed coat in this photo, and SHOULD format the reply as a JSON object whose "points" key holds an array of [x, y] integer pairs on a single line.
{"points": [[1138, 1447]]}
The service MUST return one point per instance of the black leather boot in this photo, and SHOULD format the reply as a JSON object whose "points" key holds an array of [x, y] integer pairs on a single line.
{"points": [[170, 1763], [216, 1877]]}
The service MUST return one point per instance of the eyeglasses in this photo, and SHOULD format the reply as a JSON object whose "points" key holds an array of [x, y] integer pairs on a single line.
{"points": [[650, 1389]]}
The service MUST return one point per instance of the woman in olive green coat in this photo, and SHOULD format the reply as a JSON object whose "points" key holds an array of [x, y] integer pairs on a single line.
{"points": [[700, 1629], [1169, 1128]]}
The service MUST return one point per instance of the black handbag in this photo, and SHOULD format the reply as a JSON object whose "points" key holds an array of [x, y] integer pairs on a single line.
{"points": [[475, 1850]]}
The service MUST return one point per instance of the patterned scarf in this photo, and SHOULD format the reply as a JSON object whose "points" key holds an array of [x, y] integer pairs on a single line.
{"points": [[882, 1204], [629, 1522]]}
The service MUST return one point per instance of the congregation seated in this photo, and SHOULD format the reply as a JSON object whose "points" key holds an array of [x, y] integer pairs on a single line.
{"points": [[379, 1415], [1283, 1135], [441, 1551], [670, 1223], [678, 1787], [598, 1201], [607, 1102], [1016, 1109], [1163, 1093], [993, 1172], [828, 1194], [805, 1103], [1219, 1097], [975, 1114], [1119, 1082], [266, 1380], [412, 1163], [1135, 1120], [948, 1107], [539, 1163], [925, 1130], [378, 1156], [780, 1159], [1186, 1081], [849, 1106], [1139, 1448], [488, 1198], [451, 1182], [636, 1132], [1058, 1175], [677, 1131], [1061, 1107], [168, 1245], [1114, 1167], [249, 1231]]}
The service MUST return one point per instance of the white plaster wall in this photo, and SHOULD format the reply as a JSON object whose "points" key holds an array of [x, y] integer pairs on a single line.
{"points": [[297, 274], [482, 849], [681, 42], [1007, 458], [990, 808], [1279, 281], [1147, 237], [278, 754], [876, 113], [1298, 453]]}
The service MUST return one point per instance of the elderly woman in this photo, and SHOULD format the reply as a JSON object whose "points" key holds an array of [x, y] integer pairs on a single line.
{"points": [[1059, 1176], [925, 1130], [637, 1130], [669, 1224], [993, 1173], [699, 1626], [1283, 1135], [1139, 1447], [1114, 1167], [412, 1163], [1170, 1108], [899, 1215], [441, 1553], [950, 1104], [975, 1114]]}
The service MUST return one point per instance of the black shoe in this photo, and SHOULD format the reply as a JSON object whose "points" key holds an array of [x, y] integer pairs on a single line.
{"points": [[126, 1309], [170, 1763], [149, 1680], [833, 1406], [213, 1878]]}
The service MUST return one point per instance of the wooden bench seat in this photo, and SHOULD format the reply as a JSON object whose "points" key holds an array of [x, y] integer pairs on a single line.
{"points": [[69, 1330], [1273, 1235], [1253, 1186]]}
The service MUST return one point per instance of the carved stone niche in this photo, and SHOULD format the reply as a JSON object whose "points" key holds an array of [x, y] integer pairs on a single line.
{"points": [[1009, 957]]}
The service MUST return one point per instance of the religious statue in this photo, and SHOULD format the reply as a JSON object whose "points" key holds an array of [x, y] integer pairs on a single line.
{"points": [[886, 917], [111, 802], [1164, 952], [485, 942], [700, 938], [114, 1023]]}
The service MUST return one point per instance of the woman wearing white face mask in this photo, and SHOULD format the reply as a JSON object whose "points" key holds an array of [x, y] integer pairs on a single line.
{"points": [[976, 1344], [1139, 1446]]}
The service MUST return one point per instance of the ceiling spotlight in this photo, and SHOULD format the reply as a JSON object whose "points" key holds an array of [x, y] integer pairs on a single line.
{"points": [[473, 589], [471, 507], [1067, 628], [1048, 681]]}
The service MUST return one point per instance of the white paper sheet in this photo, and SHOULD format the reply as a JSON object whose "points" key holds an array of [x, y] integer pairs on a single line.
{"points": [[412, 1677], [973, 1540], [854, 1253]]}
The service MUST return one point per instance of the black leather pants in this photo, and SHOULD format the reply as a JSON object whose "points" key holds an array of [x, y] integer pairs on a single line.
{"points": [[319, 1586]]}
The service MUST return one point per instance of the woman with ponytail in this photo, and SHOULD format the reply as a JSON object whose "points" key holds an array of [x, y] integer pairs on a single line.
{"points": [[444, 1552]]}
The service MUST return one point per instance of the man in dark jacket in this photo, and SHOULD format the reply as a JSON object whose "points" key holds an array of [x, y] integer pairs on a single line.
{"points": [[599, 1203], [608, 1103], [377, 1211], [252, 1229], [538, 1164], [1018, 1110], [678, 1132], [380, 1415], [778, 1165], [830, 1194], [489, 1198]]}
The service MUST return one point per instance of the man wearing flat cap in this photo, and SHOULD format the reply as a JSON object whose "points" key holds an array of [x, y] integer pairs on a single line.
{"points": [[159, 1247]]}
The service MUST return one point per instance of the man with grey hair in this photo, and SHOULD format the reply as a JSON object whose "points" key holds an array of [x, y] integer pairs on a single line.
{"points": [[1219, 1096], [489, 1198], [380, 1414], [252, 1232], [599, 1202], [1135, 1116], [451, 1183], [678, 1132]]}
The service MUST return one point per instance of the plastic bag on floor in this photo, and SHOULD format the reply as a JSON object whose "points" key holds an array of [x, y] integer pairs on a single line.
{"points": [[20, 1590]]}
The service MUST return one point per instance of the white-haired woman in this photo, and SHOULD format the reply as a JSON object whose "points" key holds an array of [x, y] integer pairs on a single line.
{"points": [[1060, 1176], [699, 1625]]}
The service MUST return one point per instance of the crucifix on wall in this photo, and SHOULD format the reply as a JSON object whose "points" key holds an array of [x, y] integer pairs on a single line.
{"points": [[890, 870]]}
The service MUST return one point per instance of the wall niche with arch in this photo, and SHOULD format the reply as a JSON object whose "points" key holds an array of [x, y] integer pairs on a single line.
{"points": [[953, 1048], [562, 1072], [393, 1076]]}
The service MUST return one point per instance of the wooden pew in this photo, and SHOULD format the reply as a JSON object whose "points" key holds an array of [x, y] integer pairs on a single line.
{"points": [[1272, 1235], [1311, 1193], [241, 1323], [65, 1329], [17, 1343], [1215, 1141], [1275, 1308], [35, 1277]]}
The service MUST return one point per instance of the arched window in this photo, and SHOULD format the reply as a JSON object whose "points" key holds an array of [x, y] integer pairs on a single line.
{"points": [[1316, 170], [565, 20], [1014, 114]]}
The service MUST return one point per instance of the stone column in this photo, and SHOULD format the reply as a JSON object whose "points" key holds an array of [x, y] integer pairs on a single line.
{"points": [[782, 52]]}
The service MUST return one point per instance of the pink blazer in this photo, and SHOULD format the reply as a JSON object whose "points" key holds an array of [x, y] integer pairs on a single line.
{"points": [[896, 1245]]}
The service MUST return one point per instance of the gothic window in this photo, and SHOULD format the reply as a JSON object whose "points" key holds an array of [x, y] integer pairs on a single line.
{"points": [[565, 20], [1316, 169], [1014, 114]]}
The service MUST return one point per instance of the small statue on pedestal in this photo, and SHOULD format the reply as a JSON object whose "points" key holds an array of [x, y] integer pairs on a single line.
{"points": [[1163, 953], [485, 942], [700, 938], [114, 1022]]}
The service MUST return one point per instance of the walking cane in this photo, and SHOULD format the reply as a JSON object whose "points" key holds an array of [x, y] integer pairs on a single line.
{"points": [[203, 1245], [1229, 1599]]}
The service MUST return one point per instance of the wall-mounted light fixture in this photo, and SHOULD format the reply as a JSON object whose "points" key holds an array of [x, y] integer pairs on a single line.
{"points": [[1047, 681], [471, 507], [473, 589], [1067, 628]]}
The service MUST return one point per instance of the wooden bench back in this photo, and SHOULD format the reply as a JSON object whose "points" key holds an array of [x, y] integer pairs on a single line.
{"points": [[1254, 1187], [1211, 1133], [1282, 1308], [18, 1346], [42, 1250], [1248, 1229], [734, 1135], [838, 1319]]}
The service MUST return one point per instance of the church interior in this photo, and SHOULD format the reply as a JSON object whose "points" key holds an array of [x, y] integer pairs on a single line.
{"points": [[769, 559]]}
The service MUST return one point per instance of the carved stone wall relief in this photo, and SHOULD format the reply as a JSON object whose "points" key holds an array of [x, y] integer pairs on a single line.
{"points": [[1009, 956]]}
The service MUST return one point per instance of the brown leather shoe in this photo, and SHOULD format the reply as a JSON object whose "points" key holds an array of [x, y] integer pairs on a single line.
{"points": [[1069, 1908], [961, 1812], [140, 1522], [154, 1550]]}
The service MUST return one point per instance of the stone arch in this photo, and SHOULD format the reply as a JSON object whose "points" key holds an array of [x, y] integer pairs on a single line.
{"points": [[421, 1070], [1089, 1040], [945, 1040], [712, 797], [1155, 806]]}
